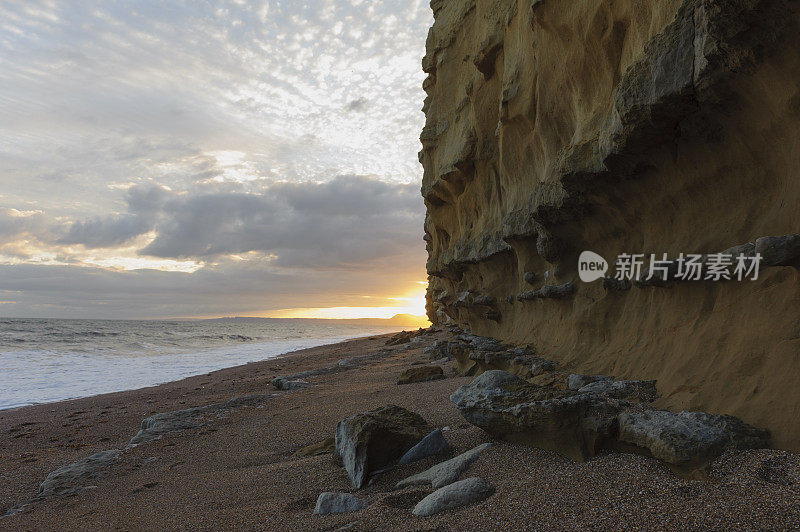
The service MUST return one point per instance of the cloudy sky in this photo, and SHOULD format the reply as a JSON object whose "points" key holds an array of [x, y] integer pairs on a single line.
{"points": [[211, 158]]}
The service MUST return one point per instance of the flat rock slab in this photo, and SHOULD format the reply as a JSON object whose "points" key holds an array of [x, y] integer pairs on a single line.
{"points": [[338, 503], [687, 438], [373, 440], [421, 374], [158, 425], [455, 495], [432, 444], [446, 472]]}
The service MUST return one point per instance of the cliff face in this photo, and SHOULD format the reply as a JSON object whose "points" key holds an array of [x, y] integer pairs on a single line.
{"points": [[557, 126]]}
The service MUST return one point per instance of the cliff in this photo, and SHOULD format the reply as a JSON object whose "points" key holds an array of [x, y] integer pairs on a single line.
{"points": [[558, 126]]}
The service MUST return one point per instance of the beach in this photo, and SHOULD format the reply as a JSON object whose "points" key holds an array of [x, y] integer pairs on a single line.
{"points": [[238, 468]]}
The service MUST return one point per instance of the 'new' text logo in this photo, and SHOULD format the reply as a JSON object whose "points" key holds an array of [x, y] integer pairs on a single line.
{"points": [[591, 266]]}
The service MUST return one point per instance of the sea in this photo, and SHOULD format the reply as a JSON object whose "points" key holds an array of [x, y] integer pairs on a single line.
{"points": [[45, 360]]}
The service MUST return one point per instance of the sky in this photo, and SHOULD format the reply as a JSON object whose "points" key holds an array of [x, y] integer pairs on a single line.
{"points": [[211, 158]]}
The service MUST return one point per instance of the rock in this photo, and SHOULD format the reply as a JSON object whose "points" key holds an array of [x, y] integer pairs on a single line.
{"points": [[505, 406], [541, 365], [158, 425], [432, 444], [687, 438], [438, 350], [372, 440], [455, 495], [641, 391], [338, 503], [325, 446], [287, 384], [577, 381], [529, 277], [484, 301], [445, 472], [551, 291], [420, 374], [403, 337], [74, 477], [779, 250]]}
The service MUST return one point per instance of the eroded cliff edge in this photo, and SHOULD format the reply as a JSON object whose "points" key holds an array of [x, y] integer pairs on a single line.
{"points": [[558, 126]]}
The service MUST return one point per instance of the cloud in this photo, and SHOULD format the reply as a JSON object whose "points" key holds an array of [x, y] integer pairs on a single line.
{"points": [[278, 151], [359, 104], [350, 220], [108, 231]]}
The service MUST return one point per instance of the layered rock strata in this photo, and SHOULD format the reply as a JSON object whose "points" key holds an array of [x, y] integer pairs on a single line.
{"points": [[556, 126]]}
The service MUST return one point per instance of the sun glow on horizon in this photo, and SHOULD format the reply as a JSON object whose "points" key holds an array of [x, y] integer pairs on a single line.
{"points": [[413, 305]]}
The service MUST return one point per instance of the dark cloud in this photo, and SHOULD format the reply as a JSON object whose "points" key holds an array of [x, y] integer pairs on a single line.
{"points": [[359, 104], [350, 220], [108, 231]]}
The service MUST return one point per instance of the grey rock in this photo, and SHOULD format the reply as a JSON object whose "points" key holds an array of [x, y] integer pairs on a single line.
{"points": [[687, 438], [541, 365], [631, 390], [74, 477], [338, 503], [288, 384], [158, 425], [551, 291], [779, 250], [484, 300], [438, 350], [506, 406], [445, 472], [432, 444], [748, 250], [373, 440], [455, 495], [577, 381], [529, 277]]}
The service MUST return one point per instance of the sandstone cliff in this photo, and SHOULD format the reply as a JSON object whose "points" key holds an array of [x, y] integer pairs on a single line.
{"points": [[557, 126]]}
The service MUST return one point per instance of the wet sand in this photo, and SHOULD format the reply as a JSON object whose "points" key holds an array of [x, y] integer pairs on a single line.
{"points": [[238, 470]]}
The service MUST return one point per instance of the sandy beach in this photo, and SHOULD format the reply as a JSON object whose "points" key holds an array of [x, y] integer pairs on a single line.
{"points": [[238, 469]]}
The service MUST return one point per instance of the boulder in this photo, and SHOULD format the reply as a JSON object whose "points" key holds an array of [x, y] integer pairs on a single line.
{"points": [[420, 374], [687, 438], [455, 495], [432, 444], [445, 472], [373, 440], [508, 407], [338, 503]]}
